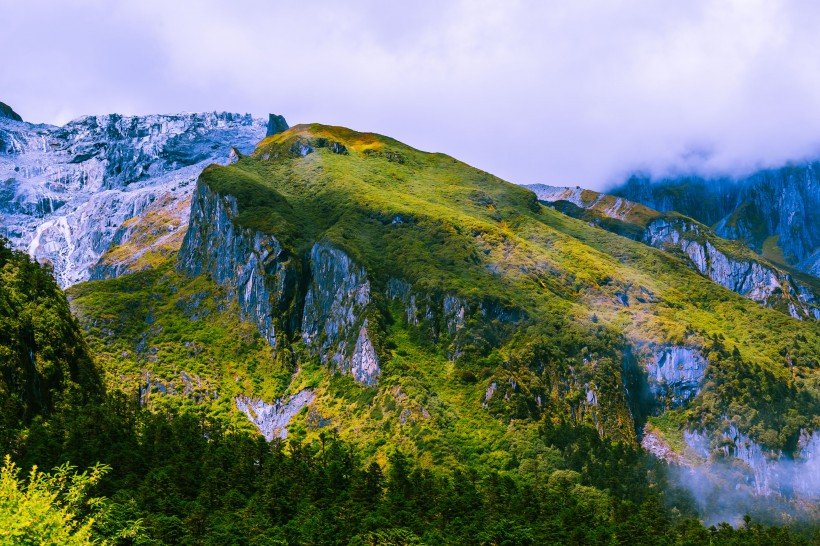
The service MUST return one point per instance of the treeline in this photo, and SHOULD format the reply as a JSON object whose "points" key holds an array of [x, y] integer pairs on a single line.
{"points": [[185, 479]]}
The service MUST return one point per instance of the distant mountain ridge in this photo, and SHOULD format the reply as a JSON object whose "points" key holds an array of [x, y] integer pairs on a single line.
{"points": [[77, 196], [776, 212], [728, 263]]}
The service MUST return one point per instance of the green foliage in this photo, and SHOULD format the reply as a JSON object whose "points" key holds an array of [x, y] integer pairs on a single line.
{"points": [[44, 361], [181, 478], [48, 508]]}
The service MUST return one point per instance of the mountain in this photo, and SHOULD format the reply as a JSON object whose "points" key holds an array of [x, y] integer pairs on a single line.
{"points": [[730, 264], [349, 336], [408, 296], [773, 211], [103, 195]]}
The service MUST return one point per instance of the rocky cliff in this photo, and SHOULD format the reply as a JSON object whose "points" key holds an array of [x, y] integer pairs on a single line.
{"points": [[324, 297], [726, 263], [257, 272], [77, 196], [675, 375], [776, 212]]}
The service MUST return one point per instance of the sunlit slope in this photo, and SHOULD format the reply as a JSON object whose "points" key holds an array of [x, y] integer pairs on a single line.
{"points": [[463, 229], [554, 320]]}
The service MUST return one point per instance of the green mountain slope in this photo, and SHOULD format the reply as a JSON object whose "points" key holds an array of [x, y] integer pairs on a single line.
{"points": [[446, 359], [44, 361], [728, 263], [407, 298]]}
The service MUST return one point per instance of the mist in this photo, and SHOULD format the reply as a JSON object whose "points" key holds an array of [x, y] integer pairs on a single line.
{"points": [[579, 93], [738, 477]]}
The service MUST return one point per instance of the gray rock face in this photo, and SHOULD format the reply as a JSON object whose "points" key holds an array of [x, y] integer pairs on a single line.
{"points": [[780, 206], [335, 314], [675, 374], [764, 472], [272, 420], [751, 279], [252, 265], [276, 124], [66, 193], [266, 281]]}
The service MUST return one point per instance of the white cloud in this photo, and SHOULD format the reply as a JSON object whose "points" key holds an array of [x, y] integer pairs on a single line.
{"points": [[556, 92]]}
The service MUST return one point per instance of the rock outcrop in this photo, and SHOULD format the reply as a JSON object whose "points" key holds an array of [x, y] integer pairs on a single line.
{"points": [[675, 374], [8, 113], [272, 420], [69, 194], [254, 268], [726, 263], [328, 308], [447, 315], [276, 124], [335, 314]]}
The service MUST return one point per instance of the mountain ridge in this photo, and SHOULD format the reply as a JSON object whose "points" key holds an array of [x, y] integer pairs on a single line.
{"points": [[773, 211], [54, 180], [730, 264]]}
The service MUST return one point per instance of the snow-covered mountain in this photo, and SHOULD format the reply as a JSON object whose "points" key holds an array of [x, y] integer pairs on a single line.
{"points": [[102, 194]]}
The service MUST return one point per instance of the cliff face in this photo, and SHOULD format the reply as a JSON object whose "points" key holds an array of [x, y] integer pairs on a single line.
{"points": [[728, 264], [675, 375], [71, 195], [324, 295], [752, 278], [258, 274], [776, 211]]}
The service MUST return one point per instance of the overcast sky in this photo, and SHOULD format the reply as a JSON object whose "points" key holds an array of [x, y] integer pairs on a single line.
{"points": [[556, 92]]}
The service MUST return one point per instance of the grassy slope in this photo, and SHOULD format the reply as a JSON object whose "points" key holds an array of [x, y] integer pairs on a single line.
{"points": [[159, 322], [461, 231], [631, 219]]}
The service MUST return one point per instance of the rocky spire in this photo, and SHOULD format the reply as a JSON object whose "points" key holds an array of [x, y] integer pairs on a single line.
{"points": [[7, 112], [276, 124]]}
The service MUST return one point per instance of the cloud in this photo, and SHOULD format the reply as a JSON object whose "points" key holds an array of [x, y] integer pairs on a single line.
{"points": [[556, 92]]}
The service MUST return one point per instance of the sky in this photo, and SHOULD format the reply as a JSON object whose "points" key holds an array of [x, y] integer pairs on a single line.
{"points": [[555, 92]]}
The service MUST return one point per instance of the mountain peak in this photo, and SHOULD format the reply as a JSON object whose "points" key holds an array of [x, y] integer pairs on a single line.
{"points": [[7, 112], [276, 124]]}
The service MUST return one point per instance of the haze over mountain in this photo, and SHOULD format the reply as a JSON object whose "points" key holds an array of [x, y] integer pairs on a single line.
{"points": [[584, 92], [776, 211]]}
